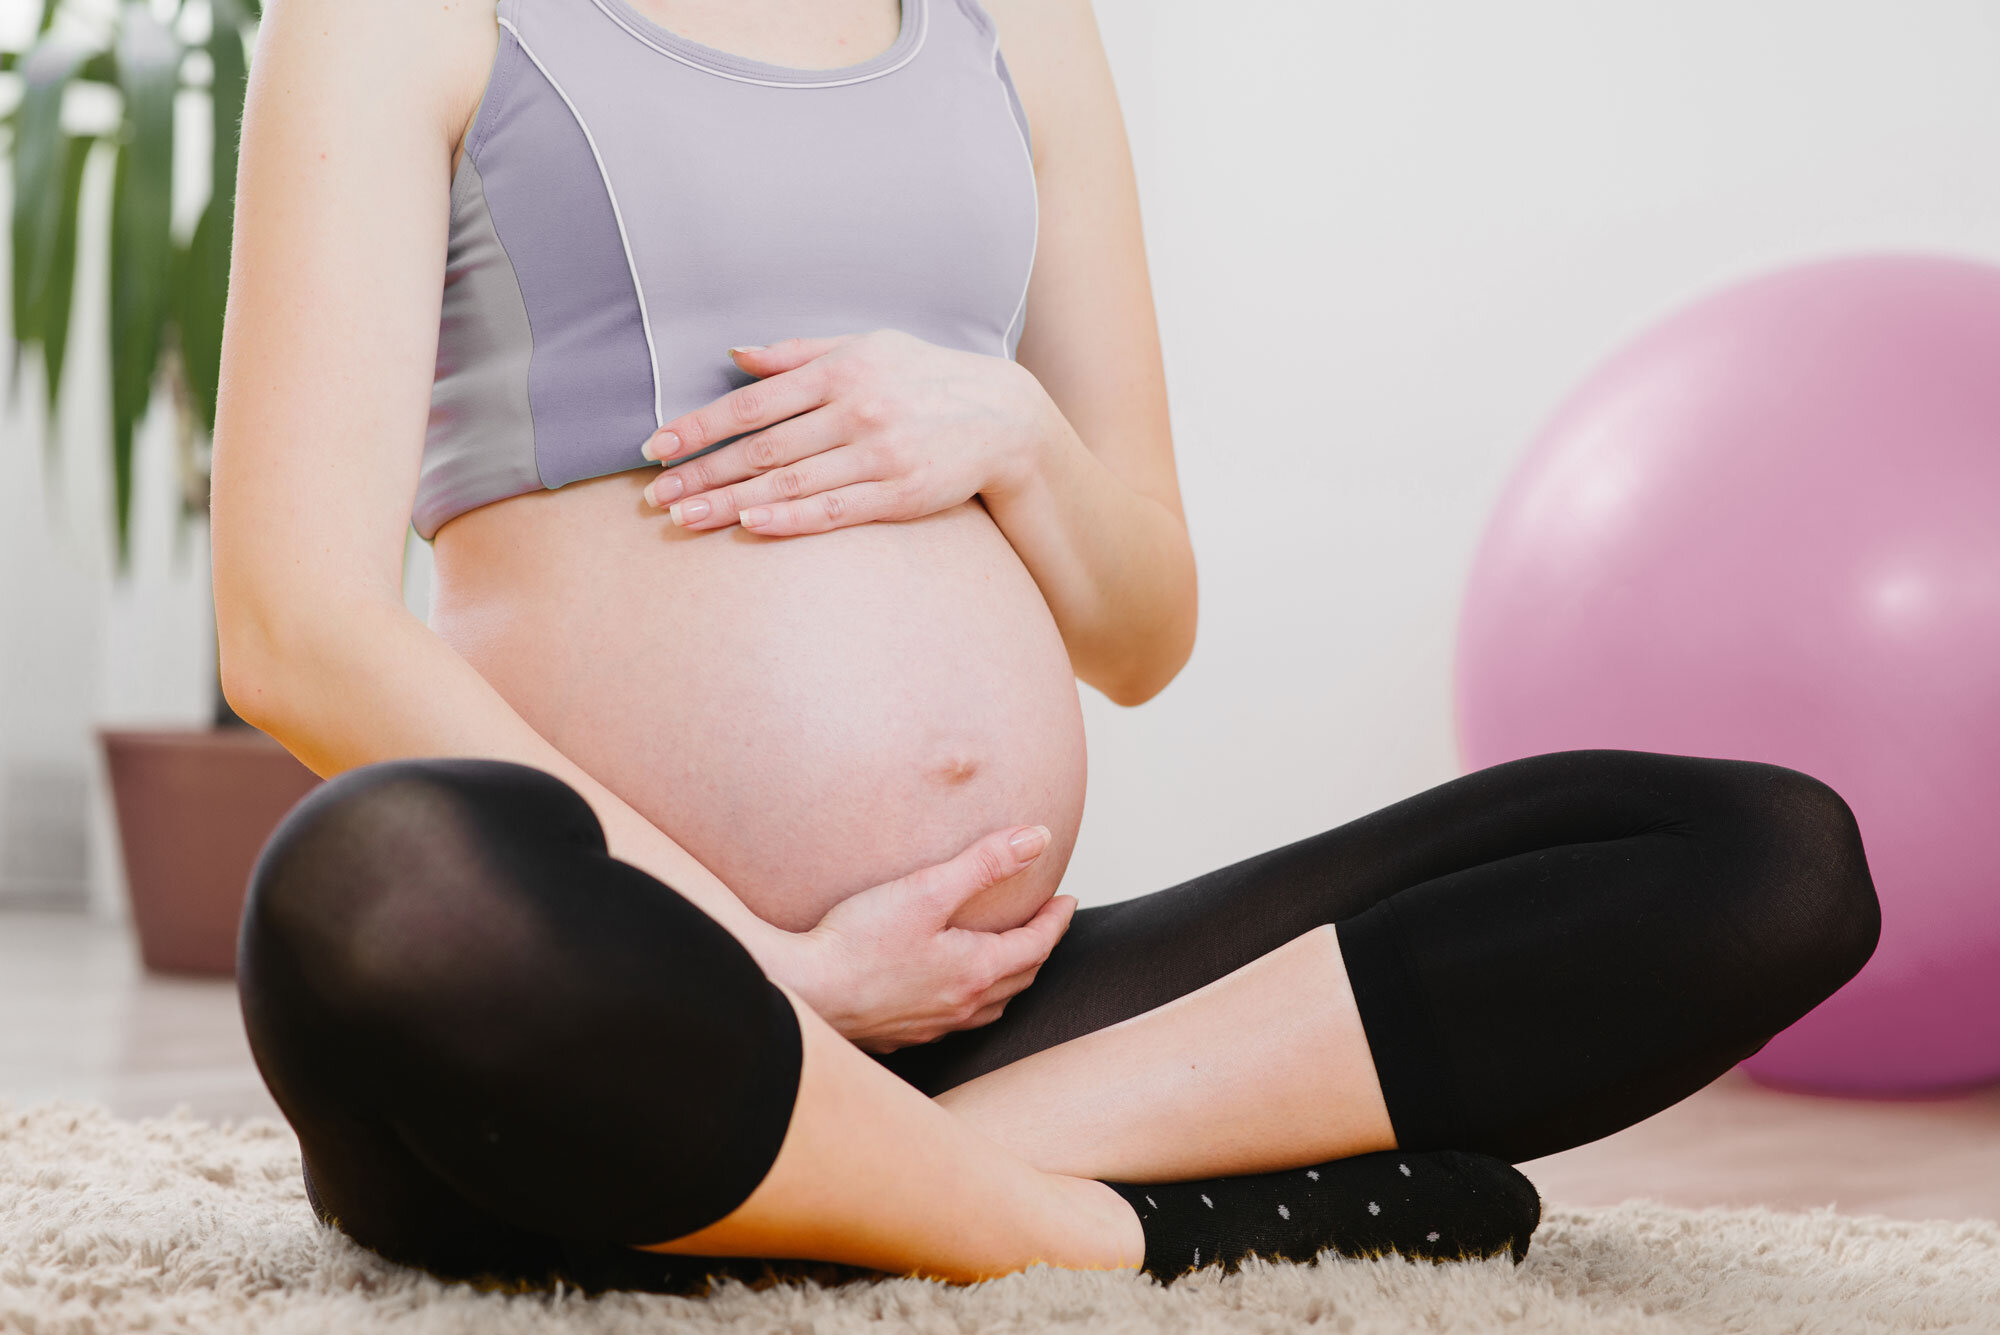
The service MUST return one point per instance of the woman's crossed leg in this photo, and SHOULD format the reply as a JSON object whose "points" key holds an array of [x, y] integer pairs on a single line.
{"points": [[1515, 962], [507, 1053]]}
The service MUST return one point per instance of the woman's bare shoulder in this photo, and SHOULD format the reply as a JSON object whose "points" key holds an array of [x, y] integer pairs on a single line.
{"points": [[437, 56], [1049, 46]]}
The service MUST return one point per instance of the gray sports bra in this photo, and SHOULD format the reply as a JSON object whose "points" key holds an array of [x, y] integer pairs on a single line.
{"points": [[630, 204]]}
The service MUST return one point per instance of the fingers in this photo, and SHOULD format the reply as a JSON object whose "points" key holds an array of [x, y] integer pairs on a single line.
{"points": [[985, 1015], [861, 503], [811, 477], [946, 978], [989, 860], [759, 452], [1054, 919], [1025, 947], [783, 355], [1061, 909], [747, 408], [1009, 986]]}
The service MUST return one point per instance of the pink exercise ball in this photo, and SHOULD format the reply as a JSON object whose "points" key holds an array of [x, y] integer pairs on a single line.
{"points": [[1769, 529]]}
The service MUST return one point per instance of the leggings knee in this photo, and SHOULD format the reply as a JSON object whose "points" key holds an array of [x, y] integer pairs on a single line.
{"points": [[1807, 899], [373, 851], [334, 858], [568, 1044]]}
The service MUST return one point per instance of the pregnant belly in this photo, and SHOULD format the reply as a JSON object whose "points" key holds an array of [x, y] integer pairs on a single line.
{"points": [[807, 716]]}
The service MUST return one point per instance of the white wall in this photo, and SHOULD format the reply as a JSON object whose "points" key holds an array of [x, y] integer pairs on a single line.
{"points": [[1386, 238]]}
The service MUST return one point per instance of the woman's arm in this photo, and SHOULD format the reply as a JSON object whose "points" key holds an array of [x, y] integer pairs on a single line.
{"points": [[329, 344], [1095, 508], [328, 349], [1068, 446]]}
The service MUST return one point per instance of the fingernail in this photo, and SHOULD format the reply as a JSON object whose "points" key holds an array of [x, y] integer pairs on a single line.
{"points": [[754, 516], [688, 512], [665, 488], [1030, 842], [661, 445], [748, 347]]}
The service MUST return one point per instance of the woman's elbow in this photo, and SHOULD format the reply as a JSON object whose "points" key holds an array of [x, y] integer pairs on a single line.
{"points": [[247, 662], [1149, 678], [262, 648], [241, 596], [1144, 675]]}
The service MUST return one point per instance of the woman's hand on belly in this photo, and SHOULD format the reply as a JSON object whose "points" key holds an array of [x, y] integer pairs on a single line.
{"points": [[847, 430], [885, 968]]}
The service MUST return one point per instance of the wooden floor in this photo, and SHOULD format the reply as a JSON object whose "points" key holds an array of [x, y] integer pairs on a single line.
{"points": [[83, 1020]]}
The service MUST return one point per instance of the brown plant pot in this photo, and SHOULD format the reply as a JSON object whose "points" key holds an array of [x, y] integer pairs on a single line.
{"points": [[194, 809]]}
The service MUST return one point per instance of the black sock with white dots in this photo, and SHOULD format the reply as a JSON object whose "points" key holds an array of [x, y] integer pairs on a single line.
{"points": [[1441, 1205]]}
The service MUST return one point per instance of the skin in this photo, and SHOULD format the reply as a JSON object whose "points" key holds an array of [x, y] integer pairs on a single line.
{"points": [[1265, 1068], [1017, 527]]}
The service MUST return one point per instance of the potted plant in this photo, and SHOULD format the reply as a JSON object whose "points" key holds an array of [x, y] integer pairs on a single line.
{"points": [[193, 805]]}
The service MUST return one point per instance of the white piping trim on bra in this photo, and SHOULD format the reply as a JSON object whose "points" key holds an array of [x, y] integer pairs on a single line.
{"points": [[604, 174], [1007, 106], [923, 31]]}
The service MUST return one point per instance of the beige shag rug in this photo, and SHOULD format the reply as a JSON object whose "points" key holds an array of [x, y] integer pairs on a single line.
{"points": [[175, 1224]]}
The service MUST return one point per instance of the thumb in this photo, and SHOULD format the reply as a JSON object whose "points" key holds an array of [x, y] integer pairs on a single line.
{"points": [[987, 862], [762, 359]]}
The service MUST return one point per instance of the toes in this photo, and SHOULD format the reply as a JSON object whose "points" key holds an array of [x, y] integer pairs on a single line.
{"points": [[1513, 1207]]}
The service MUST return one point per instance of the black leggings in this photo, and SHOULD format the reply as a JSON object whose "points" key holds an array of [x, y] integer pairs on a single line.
{"points": [[507, 1053]]}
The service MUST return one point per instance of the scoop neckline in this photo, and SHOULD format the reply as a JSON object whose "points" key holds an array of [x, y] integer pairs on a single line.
{"points": [[909, 33]]}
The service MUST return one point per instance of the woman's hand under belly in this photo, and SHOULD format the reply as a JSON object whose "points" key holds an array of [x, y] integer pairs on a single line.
{"points": [[807, 716]]}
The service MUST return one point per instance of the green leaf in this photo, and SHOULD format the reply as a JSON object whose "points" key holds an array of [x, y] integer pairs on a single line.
{"points": [[203, 288], [49, 8], [100, 68], [53, 317], [201, 291], [142, 251], [226, 90], [38, 162]]}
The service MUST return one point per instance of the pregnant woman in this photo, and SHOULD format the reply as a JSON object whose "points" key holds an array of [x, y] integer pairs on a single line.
{"points": [[779, 387]]}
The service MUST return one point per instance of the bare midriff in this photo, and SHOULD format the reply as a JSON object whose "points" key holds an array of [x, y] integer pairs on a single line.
{"points": [[807, 716]]}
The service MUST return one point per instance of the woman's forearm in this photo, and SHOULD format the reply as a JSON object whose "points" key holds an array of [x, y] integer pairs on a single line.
{"points": [[366, 681], [1113, 563]]}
